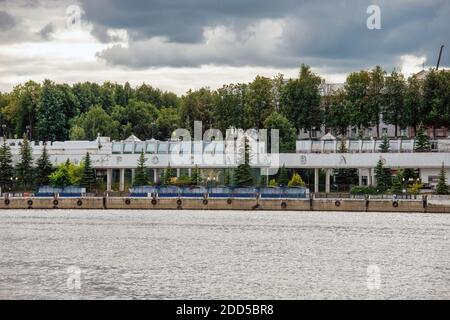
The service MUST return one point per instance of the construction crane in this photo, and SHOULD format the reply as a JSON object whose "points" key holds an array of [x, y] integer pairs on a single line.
{"points": [[439, 59]]}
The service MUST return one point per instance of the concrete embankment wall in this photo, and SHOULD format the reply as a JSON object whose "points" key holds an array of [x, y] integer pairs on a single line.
{"points": [[356, 205]]}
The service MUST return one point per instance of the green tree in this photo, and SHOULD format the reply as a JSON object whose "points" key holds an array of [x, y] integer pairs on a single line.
{"points": [[66, 174], [383, 177], [25, 166], [44, 169], [398, 183], [337, 115], [167, 121], [287, 133], [296, 181], [195, 176], [413, 104], [229, 106], [357, 88], [259, 102], [6, 168], [442, 187], [385, 145], [97, 121], [300, 100], [376, 96], [243, 174], [394, 100], [196, 106], [422, 143], [52, 123], [283, 179], [88, 178], [141, 173]]}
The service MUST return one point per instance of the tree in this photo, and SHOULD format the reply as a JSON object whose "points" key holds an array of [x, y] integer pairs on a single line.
{"points": [[343, 146], [229, 106], [195, 176], [97, 121], [422, 143], [283, 179], [383, 177], [357, 88], [394, 100], [167, 122], [44, 169], [413, 104], [337, 114], [6, 168], [66, 174], [141, 173], [385, 145], [286, 131], [442, 187], [25, 166], [88, 179], [51, 120], [296, 181], [227, 177], [259, 102], [243, 174], [168, 174], [375, 96], [398, 183], [196, 106], [300, 100]]}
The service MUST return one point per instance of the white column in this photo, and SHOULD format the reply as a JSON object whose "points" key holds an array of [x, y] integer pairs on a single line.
{"points": [[360, 177], [122, 180], [155, 175], [327, 181], [108, 179], [133, 171], [316, 180], [178, 172], [370, 177]]}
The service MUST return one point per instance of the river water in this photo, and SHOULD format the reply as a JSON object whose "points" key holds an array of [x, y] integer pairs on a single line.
{"points": [[64, 254]]}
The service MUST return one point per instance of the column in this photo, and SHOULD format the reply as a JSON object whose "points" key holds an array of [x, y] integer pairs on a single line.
{"points": [[155, 175], [360, 177], [132, 175], [370, 177], [178, 172], [122, 180], [316, 180], [108, 179], [190, 172], [327, 181]]}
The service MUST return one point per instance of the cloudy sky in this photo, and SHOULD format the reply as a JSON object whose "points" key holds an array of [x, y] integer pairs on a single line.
{"points": [[180, 44]]}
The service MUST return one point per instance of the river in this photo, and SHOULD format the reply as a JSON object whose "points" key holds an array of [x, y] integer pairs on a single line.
{"points": [[64, 254]]}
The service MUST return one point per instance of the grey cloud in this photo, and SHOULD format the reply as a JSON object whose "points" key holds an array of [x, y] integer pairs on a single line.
{"points": [[331, 34], [47, 31], [7, 21]]}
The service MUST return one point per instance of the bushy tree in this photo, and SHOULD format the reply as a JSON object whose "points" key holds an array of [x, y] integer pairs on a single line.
{"points": [[195, 176], [44, 169], [287, 133], [296, 181], [398, 183], [66, 174]]}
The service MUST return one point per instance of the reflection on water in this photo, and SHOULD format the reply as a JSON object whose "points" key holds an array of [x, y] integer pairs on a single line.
{"points": [[223, 255]]}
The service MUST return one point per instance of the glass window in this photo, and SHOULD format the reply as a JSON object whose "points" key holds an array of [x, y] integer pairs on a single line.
{"points": [[163, 147], [138, 148], [354, 146], [407, 145], [186, 147], [329, 146], [151, 148], [175, 147], [316, 146], [117, 148], [367, 146], [128, 148], [209, 147], [220, 145]]}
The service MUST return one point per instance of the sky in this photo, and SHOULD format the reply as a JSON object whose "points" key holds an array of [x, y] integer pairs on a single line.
{"points": [[177, 45]]}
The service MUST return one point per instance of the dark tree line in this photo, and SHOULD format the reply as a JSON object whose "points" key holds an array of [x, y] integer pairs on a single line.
{"points": [[51, 111]]}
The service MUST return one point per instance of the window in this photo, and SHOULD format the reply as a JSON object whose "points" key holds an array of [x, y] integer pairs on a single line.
{"points": [[128, 148], [117, 148], [151, 148], [138, 148]]}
